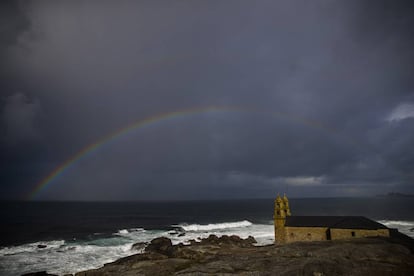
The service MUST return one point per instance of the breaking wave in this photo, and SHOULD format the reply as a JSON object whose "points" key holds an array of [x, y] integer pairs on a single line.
{"points": [[126, 231], [64, 257], [214, 226], [31, 247], [397, 222], [405, 227]]}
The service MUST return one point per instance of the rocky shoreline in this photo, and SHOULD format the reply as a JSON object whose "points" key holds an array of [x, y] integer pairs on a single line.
{"points": [[232, 255]]}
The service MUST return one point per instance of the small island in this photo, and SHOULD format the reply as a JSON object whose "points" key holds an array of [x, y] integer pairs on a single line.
{"points": [[392, 194]]}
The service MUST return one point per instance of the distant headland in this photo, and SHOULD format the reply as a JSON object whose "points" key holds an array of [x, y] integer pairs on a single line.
{"points": [[396, 194]]}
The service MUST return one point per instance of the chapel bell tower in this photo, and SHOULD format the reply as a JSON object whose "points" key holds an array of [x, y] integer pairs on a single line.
{"points": [[281, 211]]}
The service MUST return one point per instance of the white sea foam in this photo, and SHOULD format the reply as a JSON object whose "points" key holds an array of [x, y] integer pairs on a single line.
{"points": [[60, 257], [126, 231], [67, 258], [214, 226], [31, 247], [405, 227], [397, 222], [137, 230]]}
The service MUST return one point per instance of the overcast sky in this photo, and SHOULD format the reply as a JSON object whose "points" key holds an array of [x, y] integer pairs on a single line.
{"points": [[316, 98]]}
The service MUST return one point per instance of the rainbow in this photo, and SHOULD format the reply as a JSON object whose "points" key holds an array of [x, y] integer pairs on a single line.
{"points": [[90, 149]]}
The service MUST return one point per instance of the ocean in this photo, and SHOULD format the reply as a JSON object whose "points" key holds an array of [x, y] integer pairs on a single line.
{"points": [[67, 237]]}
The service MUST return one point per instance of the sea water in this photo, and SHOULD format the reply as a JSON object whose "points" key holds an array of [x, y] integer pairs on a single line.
{"points": [[67, 237]]}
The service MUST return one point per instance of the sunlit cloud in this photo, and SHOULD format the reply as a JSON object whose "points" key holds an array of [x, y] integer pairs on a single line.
{"points": [[401, 112], [304, 180]]}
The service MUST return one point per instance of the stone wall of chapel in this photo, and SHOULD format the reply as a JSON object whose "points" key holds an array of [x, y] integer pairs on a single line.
{"points": [[337, 234], [293, 234]]}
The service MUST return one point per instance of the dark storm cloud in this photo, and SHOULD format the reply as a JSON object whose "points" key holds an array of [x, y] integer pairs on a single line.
{"points": [[324, 92], [19, 115], [13, 22]]}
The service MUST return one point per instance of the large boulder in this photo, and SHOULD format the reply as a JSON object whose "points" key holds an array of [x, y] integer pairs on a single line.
{"points": [[161, 245]]}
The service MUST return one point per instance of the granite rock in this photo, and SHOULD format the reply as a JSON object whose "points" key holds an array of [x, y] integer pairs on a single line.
{"points": [[231, 255]]}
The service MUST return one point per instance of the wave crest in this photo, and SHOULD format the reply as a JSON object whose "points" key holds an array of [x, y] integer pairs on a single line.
{"points": [[214, 226], [130, 230], [397, 222], [31, 247]]}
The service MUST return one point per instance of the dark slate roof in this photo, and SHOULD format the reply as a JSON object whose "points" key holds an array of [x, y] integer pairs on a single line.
{"points": [[342, 222]]}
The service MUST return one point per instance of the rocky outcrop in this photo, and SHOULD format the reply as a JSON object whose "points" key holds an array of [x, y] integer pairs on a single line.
{"points": [[139, 246], [161, 245], [233, 255], [228, 241]]}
